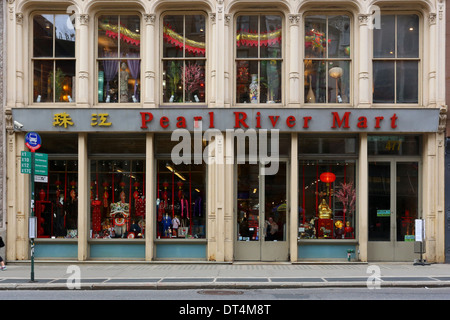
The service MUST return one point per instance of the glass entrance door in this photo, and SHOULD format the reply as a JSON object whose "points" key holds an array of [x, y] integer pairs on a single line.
{"points": [[262, 214], [393, 207]]}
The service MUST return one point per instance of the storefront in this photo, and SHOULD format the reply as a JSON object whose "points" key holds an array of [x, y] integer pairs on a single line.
{"points": [[221, 131]]}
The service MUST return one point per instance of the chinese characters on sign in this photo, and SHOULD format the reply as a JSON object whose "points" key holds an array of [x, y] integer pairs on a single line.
{"points": [[64, 119]]}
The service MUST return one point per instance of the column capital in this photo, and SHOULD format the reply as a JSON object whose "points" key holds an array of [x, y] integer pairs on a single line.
{"points": [[294, 19], [150, 18]]}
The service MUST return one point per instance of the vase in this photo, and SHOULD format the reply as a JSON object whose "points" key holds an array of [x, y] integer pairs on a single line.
{"points": [[254, 89], [310, 97]]}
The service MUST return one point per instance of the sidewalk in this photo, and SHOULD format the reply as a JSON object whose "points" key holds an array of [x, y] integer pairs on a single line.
{"points": [[193, 275]]}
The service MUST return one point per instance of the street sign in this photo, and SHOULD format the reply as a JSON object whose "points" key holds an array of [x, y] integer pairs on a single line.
{"points": [[33, 141], [41, 164], [25, 162]]}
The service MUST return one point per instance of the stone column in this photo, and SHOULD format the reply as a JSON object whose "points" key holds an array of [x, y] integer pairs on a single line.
{"points": [[19, 61], [293, 199], [83, 57], [364, 90], [149, 68], [83, 198], [432, 34], [294, 59], [150, 203], [362, 230]]}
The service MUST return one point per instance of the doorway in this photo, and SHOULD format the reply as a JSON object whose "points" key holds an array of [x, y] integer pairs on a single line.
{"points": [[262, 217], [394, 202]]}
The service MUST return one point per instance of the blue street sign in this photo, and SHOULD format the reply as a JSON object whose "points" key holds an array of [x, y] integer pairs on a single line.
{"points": [[33, 141]]}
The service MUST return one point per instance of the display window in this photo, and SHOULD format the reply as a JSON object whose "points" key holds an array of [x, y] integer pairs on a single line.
{"points": [[117, 199], [184, 58], [53, 58], [327, 188], [56, 196], [259, 58], [118, 57], [327, 64], [396, 57]]}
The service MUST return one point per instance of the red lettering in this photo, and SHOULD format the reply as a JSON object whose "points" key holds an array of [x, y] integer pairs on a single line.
{"points": [[362, 122], [274, 120], [377, 121], [196, 120], [306, 122], [211, 119], [258, 120], [290, 121], [240, 120], [338, 121], [393, 120], [164, 122], [181, 122], [146, 117]]}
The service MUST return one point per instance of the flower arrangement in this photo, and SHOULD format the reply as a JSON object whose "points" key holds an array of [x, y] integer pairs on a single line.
{"points": [[316, 40], [347, 195]]}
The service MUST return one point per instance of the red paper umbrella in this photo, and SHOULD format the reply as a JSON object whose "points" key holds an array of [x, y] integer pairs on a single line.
{"points": [[327, 177]]}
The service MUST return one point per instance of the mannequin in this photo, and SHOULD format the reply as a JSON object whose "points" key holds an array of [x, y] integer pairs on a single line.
{"points": [[167, 223], [120, 212]]}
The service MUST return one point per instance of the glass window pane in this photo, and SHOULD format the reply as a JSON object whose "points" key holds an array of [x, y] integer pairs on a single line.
{"points": [[172, 81], [407, 36], [327, 199], [130, 36], [394, 145], [339, 81], [194, 81], [117, 199], [173, 36], [64, 36], [379, 201], [315, 36], [339, 37], [407, 199], [43, 35], [43, 81], [247, 82], [384, 38], [275, 196], [181, 200], [327, 145], [247, 39], [248, 202], [383, 81], [129, 80], [108, 79], [270, 81], [108, 33], [407, 81], [315, 81], [195, 36], [64, 81], [270, 36]]}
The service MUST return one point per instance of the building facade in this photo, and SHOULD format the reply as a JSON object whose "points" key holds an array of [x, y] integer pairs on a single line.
{"points": [[226, 130]]}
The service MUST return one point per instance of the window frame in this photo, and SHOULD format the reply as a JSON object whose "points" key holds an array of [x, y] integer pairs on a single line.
{"points": [[281, 59], [184, 58], [53, 59], [327, 60], [118, 58], [419, 60]]}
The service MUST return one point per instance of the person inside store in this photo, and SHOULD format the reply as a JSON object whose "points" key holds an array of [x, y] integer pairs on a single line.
{"points": [[271, 229], [2, 262]]}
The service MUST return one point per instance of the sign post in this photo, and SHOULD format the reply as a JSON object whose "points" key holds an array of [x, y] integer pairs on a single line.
{"points": [[420, 239], [33, 142]]}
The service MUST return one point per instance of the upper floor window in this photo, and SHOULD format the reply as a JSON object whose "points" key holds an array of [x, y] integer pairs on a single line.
{"points": [[327, 59], [258, 58], [183, 58], [119, 59], [53, 58], [396, 59]]}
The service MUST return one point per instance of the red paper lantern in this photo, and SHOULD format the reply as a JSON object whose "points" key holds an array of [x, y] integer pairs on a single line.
{"points": [[327, 177]]}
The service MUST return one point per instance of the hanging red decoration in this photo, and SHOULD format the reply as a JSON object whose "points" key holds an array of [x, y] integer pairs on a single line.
{"points": [[327, 177]]}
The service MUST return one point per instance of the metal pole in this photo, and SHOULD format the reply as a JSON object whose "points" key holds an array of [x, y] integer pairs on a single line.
{"points": [[32, 213]]}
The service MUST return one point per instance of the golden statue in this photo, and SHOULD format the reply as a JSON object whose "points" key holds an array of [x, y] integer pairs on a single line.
{"points": [[324, 210]]}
